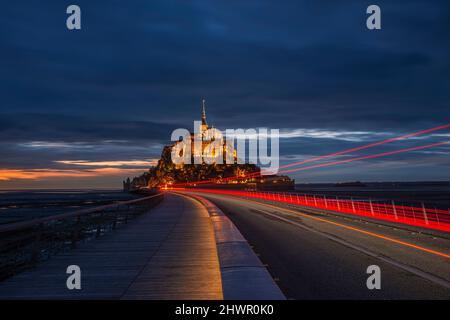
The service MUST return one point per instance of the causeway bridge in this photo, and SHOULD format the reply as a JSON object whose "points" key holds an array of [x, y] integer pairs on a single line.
{"points": [[206, 244]]}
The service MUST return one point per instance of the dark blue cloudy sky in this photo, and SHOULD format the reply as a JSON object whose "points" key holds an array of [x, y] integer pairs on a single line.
{"points": [[88, 108]]}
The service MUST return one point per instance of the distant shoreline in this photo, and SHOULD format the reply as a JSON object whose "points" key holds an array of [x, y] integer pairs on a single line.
{"points": [[305, 184], [426, 182]]}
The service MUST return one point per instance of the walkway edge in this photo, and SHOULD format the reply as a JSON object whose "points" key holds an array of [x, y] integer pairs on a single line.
{"points": [[244, 277]]}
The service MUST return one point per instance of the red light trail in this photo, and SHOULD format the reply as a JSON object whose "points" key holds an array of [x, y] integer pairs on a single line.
{"points": [[377, 235], [371, 156], [371, 145], [429, 218]]}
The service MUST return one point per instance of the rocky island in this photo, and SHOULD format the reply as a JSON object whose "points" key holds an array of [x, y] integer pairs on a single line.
{"points": [[234, 175]]}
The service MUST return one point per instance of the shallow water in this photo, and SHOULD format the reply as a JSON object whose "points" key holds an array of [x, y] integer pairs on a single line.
{"points": [[24, 205]]}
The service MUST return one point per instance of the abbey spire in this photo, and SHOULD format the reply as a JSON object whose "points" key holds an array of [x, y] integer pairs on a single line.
{"points": [[204, 114]]}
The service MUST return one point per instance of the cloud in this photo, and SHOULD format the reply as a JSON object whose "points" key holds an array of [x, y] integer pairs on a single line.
{"points": [[58, 130], [42, 174], [354, 136], [54, 145], [340, 135], [113, 163]]}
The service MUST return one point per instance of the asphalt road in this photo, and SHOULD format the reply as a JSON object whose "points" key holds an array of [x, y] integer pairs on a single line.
{"points": [[319, 256]]}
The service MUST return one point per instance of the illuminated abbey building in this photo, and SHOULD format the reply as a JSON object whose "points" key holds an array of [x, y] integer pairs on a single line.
{"points": [[223, 174]]}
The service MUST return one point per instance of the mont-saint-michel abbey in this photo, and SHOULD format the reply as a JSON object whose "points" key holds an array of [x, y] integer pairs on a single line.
{"points": [[204, 146], [226, 173]]}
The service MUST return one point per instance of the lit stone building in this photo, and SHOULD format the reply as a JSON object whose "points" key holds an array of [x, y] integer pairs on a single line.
{"points": [[208, 150], [228, 174]]}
